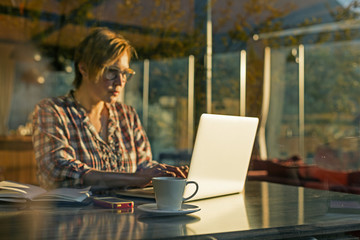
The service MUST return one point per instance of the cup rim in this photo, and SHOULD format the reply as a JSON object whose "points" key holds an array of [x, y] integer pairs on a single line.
{"points": [[168, 179]]}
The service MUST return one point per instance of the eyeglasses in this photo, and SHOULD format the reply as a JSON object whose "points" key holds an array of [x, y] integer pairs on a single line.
{"points": [[111, 73]]}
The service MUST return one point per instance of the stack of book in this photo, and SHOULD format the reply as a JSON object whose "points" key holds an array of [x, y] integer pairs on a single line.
{"points": [[13, 192]]}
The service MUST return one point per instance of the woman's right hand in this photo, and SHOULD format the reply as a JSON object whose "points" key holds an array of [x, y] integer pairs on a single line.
{"points": [[162, 170], [107, 180]]}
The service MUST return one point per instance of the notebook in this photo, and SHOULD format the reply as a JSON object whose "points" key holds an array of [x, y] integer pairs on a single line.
{"points": [[220, 158]]}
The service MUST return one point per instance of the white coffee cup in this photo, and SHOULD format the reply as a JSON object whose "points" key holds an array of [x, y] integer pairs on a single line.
{"points": [[169, 192]]}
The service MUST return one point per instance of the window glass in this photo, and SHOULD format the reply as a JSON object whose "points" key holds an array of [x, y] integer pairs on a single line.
{"points": [[35, 85], [226, 83], [282, 129], [168, 110], [332, 103], [313, 109], [134, 91]]}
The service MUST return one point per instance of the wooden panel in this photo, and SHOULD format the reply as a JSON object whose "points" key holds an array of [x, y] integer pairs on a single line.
{"points": [[17, 159]]}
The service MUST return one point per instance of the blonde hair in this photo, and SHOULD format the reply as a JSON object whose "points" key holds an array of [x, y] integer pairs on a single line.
{"points": [[99, 49]]}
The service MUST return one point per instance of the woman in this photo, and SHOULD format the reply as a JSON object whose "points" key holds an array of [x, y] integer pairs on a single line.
{"points": [[87, 138]]}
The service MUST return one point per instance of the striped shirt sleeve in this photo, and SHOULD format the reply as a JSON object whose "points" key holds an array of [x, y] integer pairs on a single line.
{"points": [[56, 162]]}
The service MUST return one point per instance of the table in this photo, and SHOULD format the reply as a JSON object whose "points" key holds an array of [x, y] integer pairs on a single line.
{"points": [[263, 211]]}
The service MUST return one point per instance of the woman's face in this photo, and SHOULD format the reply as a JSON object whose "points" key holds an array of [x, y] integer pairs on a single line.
{"points": [[111, 82]]}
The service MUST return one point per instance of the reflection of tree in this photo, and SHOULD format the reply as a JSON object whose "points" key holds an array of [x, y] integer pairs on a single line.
{"points": [[332, 87], [255, 16], [162, 29], [341, 13], [166, 27], [332, 73], [326, 79]]}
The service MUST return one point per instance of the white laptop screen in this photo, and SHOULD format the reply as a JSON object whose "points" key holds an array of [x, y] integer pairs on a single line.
{"points": [[221, 154]]}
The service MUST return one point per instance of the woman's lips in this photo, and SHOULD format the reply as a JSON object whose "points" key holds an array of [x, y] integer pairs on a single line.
{"points": [[115, 93]]}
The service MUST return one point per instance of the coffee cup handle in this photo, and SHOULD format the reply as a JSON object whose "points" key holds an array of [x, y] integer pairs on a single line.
{"points": [[196, 190]]}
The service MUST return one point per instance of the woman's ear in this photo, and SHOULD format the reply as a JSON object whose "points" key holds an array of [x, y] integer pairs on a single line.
{"points": [[82, 69]]}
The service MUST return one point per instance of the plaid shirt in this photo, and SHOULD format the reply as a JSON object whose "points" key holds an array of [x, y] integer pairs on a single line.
{"points": [[67, 145]]}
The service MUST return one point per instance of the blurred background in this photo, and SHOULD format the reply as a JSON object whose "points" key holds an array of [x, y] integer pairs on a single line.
{"points": [[294, 64]]}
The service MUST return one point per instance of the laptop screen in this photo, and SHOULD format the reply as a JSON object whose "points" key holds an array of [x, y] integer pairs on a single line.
{"points": [[221, 154]]}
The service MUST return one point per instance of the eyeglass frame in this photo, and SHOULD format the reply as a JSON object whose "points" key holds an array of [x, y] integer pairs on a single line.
{"points": [[121, 73]]}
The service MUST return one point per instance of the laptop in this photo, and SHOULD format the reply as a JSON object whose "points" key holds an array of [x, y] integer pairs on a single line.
{"points": [[220, 158]]}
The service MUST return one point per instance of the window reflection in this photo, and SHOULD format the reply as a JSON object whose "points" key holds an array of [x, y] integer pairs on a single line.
{"points": [[226, 84], [318, 123], [168, 110]]}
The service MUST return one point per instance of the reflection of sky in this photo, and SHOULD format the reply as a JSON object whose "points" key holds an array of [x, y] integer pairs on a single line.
{"points": [[27, 95]]}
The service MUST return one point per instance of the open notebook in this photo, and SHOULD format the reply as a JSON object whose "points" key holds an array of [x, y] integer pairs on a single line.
{"points": [[220, 158]]}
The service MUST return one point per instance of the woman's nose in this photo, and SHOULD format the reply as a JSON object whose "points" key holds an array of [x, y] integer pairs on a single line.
{"points": [[120, 80]]}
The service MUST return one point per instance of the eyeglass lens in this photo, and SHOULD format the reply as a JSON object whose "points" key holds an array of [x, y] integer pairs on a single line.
{"points": [[113, 73]]}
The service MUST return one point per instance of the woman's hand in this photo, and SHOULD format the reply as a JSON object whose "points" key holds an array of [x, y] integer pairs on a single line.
{"points": [[173, 171], [163, 170], [107, 180]]}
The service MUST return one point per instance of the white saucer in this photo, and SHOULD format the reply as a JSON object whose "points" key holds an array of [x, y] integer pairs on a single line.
{"points": [[152, 208]]}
